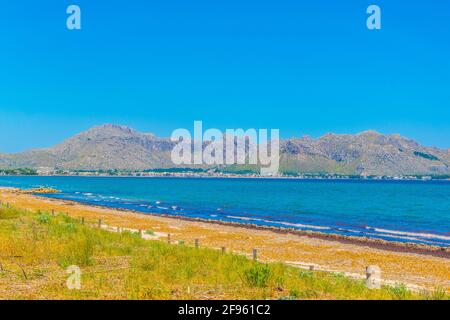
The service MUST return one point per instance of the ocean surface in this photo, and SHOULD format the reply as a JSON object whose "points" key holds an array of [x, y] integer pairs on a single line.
{"points": [[406, 211]]}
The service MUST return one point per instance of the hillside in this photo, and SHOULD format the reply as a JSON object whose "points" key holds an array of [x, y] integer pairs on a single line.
{"points": [[119, 147], [367, 153], [102, 147]]}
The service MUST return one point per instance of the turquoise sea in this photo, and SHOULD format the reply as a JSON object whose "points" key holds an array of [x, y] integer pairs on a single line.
{"points": [[408, 211]]}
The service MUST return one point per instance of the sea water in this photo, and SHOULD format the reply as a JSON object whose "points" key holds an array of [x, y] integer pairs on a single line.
{"points": [[407, 211]]}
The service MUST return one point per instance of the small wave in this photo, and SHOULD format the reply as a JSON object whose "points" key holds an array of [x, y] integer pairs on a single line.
{"points": [[412, 234], [400, 237], [244, 218], [289, 224], [299, 225]]}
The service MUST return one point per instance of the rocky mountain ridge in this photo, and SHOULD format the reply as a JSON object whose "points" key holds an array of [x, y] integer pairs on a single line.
{"points": [[119, 147]]}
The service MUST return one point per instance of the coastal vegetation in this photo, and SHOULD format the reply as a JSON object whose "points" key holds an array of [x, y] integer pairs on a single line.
{"points": [[18, 172], [36, 248], [226, 171], [40, 190], [426, 156]]}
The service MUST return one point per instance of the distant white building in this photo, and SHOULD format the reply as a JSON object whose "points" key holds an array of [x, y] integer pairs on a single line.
{"points": [[45, 171]]}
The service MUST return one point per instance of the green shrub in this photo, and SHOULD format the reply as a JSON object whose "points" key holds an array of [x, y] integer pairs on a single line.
{"points": [[69, 226], [78, 252], [258, 275], [43, 218], [400, 292], [306, 275], [294, 294]]}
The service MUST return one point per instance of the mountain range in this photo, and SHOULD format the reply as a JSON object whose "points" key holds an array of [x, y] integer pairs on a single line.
{"points": [[110, 146]]}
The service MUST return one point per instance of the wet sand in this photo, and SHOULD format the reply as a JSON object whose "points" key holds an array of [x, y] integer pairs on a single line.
{"points": [[417, 266]]}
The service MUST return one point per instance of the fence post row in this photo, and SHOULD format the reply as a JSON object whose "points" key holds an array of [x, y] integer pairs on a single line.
{"points": [[373, 273]]}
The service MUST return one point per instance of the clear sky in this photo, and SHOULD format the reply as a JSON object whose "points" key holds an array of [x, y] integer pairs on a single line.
{"points": [[305, 67]]}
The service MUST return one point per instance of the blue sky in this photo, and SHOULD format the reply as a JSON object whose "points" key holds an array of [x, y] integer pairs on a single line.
{"points": [[305, 67]]}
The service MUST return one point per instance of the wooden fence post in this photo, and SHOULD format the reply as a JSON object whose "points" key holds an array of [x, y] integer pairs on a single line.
{"points": [[99, 223], [224, 249], [53, 212], [197, 243], [255, 254], [140, 233], [168, 238], [82, 220]]}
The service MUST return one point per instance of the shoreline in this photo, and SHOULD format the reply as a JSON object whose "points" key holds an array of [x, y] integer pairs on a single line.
{"points": [[396, 246], [377, 179], [407, 247], [417, 265]]}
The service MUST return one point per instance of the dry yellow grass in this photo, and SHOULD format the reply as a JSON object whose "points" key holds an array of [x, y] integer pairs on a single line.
{"points": [[36, 248], [418, 270]]}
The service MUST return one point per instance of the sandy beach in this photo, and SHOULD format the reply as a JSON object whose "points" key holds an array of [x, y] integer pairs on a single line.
{"points": [[416, 266]]}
